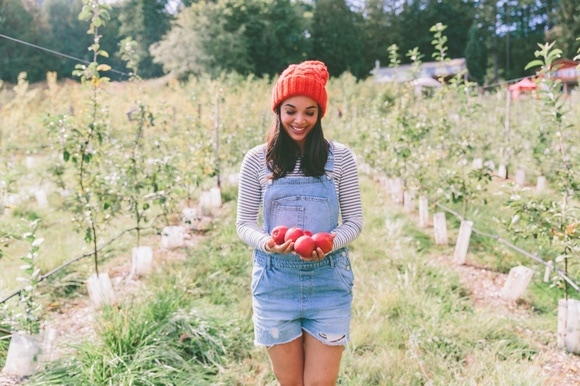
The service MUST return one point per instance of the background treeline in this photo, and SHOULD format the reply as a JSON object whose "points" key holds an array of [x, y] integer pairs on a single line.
{"points": [[261, 37]]}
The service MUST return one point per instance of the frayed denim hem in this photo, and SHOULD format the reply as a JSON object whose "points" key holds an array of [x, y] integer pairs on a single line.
{"points": [[330, 339], [258, 344]]}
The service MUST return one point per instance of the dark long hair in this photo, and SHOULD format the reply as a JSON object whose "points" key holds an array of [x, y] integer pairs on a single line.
{"points": [[282, 152]]}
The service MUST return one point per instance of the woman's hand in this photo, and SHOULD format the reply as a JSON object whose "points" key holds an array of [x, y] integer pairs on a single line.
{"points": [[317, 255], [272, 247]]}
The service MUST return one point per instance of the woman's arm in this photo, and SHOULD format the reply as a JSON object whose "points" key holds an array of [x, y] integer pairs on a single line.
{"points": [[250, 201], [349, 198]]}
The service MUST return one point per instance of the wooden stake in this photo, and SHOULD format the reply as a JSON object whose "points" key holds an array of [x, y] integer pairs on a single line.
{"points": [[409, 201], [562, 315], [423, 212], [517, 282], [462, 244], [548, 271], [3, 191], [572, 337], [23, 355], [397, 194], [141, 261], [440, 228], [100, 290], [502, 171], [172, 237], [520, 177], [541, 184]]}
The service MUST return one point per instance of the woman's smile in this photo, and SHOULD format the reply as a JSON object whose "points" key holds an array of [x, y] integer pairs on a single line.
{"points": [[298, 130]]}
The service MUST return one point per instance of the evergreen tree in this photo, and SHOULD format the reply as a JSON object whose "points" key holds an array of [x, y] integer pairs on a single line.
{"points": [[283, 38], [181, 51], [22, 24], [523, 26], [567, 29], [110, 41], [418, 16], [380, 30], [485, 20], [337, 38], [146, 22], [458, 16], [66, 34], [244, 36], [476, 55]]}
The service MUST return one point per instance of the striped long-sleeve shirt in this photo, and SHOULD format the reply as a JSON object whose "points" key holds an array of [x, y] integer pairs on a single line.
{"points": [[252, 184]]}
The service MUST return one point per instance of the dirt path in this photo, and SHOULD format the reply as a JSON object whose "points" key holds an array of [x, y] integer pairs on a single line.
{"points": [[558, 367]]}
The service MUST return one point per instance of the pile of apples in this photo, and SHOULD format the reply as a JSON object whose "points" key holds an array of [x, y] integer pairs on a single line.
{"points": [[304, 241]]}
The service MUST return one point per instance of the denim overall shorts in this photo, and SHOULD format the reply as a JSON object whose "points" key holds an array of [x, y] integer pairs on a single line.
{"points": [[289, 295]]}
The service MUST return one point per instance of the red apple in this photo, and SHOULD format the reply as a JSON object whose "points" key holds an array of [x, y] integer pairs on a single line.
{"points": [[324, 241], [307, 233], [278, 234], [293, 234], [304, 246]]}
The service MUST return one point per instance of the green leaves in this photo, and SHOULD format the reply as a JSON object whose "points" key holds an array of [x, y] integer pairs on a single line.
{"points": [[548, 54], [129, 52], [29, 320], [550, 220], [393, 51], [96, 12], [534, 63], [439, 41], [86, 143]]}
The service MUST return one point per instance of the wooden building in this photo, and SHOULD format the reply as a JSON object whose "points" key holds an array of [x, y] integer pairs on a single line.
{"points": [[568, 71], [406, 72]]}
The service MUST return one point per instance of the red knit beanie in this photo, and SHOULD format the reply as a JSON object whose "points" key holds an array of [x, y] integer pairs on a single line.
{"points": [[307, 78]]}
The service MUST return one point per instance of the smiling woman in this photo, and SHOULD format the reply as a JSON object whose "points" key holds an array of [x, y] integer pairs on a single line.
{"points": [[302, 181]]}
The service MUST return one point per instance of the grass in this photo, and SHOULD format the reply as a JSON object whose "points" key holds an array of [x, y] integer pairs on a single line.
{"points": [[413, 322]]}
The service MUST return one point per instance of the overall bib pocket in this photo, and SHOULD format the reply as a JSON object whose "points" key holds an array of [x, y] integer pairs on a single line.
{"points": [[307, 212]]}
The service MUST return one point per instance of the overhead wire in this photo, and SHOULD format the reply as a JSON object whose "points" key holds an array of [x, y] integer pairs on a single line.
{"points": [[57, 53]]}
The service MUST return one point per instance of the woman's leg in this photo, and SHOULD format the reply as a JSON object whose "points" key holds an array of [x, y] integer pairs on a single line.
{"points": [[321, 362], [288, 362]]}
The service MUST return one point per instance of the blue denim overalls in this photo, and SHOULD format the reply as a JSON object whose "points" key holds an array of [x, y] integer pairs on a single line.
{"points": [[291, 295]]}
